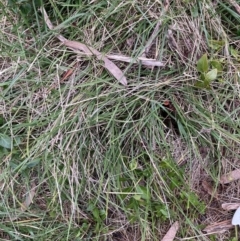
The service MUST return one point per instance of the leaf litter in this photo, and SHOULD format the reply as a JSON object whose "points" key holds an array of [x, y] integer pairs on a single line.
{"points": [[76, 46], [170, 235], [230, 177], [81, 48]]}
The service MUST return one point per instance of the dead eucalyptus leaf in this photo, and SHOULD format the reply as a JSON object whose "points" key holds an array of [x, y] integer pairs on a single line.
{"points": [[108, 64], [170, 235], [28, 199], [230, 206], [230, 177]]}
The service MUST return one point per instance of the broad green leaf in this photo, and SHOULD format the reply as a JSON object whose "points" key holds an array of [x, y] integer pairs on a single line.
{"points": [[217, 65], [5, 141], [211, 75], [202, 64]]}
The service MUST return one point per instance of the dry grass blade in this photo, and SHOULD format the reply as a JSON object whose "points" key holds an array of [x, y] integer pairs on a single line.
{"points": [[67, 74], [142, 60], [155, 31], [230, 206], [28, 199], [230, 177], [209, 189], [74, 45], [170, 235], [235, 5]]}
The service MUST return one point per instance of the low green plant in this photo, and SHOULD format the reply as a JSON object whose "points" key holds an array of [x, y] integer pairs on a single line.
{"points": [[209, 71]]}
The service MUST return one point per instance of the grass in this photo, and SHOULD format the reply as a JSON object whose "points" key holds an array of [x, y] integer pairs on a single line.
{"points": [[89, 159]]}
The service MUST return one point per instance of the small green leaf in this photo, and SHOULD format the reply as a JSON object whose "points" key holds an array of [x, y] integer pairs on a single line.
{"points": [[17, 141], [203, 84], [194, 11], [125, 192], [144, 192], [202, 76], [90, 207], [5, 141], [33, 163], [216, 44], [234, 52], [103, 214], [211, 75], [202, 64], [137, 197], [165, 213], [95, 213], [133, 165], [217, 65]]}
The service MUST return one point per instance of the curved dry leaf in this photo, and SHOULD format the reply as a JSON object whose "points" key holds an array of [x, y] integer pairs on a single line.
{"points": [[220, 227], [230, 177], [170, 235], [28, 199], [230, 206], [108, 64]]}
